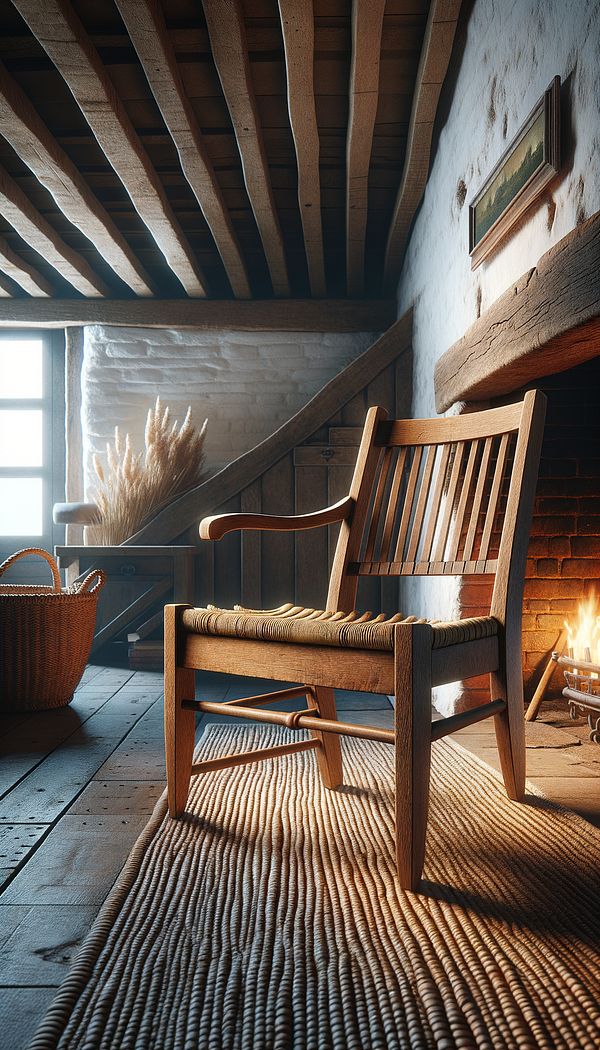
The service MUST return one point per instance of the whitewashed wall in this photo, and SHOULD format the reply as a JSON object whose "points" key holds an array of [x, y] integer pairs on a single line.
{"points": [[512, 52], [246, 383]]}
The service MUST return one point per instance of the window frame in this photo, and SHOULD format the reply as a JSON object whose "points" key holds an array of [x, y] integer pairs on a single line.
{"points": [[52, 471]]}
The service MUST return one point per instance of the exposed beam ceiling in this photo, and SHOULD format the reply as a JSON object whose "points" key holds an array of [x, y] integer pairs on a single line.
{"points": [[18, 210], [225, 21], [18, 270], [146, 27], [58, 29], [435, 57], [242, 149], [38, 149]]}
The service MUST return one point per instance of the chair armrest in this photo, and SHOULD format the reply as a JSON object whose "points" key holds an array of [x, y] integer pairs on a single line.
{"points": [[75, 514], [216, 527]]}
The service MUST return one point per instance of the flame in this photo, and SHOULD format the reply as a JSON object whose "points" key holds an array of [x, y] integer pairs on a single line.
{"points": [[583, 637]]}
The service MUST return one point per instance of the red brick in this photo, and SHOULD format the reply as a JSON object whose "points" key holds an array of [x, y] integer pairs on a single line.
{"points": [[589, 468], [557, 468], [547, 567], [588, 506], [589, 525], [566, 606], [555, 525], [554, 505], [561, 588], [550, 622], [585, 546], [538, 547], [536, 605], [581, 568], [539, 641], [559, 546]]}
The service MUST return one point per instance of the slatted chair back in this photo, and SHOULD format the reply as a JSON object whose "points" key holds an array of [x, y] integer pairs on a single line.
{"points": [[434, 498]]}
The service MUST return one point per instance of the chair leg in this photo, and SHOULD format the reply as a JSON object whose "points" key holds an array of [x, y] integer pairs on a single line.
{"points": [[180, 724], [413, 643], [329, 755], [507, 684]]}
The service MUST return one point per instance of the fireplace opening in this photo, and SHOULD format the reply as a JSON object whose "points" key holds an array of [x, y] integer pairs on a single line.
{"points": [[563, 564]]}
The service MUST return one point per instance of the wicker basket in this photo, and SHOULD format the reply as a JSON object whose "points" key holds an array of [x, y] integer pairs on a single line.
{"points": [[45, 637]]}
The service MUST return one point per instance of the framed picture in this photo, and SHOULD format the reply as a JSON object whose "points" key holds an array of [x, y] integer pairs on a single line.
{"points": [[524, 169]]}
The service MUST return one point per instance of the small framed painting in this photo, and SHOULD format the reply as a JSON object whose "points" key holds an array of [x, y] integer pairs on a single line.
{"points": [[524, 169]]}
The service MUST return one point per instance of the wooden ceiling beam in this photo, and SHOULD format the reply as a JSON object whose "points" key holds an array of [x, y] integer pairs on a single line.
{"points": [[433, 65], [29, 137], [297, 24], [367, 24], [19, 271], [5, 288], [225, 21], [18, 210], [149, 35], [57, 28], [261, 315]]}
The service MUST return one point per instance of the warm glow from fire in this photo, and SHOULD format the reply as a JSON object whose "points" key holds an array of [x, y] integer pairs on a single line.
{"points": [[583, 637]]}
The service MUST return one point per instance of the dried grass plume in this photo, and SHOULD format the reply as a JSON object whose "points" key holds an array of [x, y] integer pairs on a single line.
{"points": [[133, 487]]}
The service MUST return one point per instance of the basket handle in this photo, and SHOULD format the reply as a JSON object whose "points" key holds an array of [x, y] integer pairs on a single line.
{"points": [[43, 554], [95, 574]]}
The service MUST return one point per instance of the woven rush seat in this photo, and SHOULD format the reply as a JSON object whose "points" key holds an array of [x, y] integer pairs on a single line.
{"points": [[295, 624]]}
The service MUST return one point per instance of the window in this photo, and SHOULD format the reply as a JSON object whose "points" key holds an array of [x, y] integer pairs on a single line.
{"points": [[31, 438]]}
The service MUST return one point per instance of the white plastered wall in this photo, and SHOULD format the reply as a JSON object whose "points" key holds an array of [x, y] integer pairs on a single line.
{"points": [[246, 383]]}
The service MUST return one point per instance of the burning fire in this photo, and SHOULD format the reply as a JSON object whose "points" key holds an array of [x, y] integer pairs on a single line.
{"points": [[583, 637]]}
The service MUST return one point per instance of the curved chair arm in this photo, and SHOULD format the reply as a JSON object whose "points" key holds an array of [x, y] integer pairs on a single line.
{"points": [[75, 514], [216, 527]]}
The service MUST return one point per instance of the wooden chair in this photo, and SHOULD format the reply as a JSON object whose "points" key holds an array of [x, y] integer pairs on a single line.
{"points": [[428, 497]]}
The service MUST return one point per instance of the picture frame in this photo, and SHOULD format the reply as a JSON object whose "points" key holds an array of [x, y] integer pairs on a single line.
{"points": [[525, 168]]}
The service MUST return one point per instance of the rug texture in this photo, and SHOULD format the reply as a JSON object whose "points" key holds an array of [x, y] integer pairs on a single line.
{"points": [[269, 917]]}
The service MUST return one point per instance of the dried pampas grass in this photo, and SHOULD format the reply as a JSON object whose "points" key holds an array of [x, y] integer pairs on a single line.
{"points": [[133, 487]]}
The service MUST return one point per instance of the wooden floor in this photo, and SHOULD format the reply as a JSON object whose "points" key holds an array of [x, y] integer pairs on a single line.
{"points": [[77, 786]]}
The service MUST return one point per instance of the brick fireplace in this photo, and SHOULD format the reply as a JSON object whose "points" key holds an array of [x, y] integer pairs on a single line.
{"points": [[563, 562]]}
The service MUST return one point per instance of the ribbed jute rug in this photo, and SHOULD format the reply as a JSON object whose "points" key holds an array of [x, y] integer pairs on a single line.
{"points": [[270, 918]]}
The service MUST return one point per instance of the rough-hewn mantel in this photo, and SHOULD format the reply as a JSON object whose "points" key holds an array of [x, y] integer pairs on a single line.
{"points": [[547, 322]]}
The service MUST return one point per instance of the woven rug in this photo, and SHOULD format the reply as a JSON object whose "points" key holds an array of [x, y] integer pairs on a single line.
{"points": [[269, 917]]}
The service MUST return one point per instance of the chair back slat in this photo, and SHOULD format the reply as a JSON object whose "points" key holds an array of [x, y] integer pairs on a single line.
{"points": [[407, 510], [376, 510], [392, 508], [433, 510], [492, 506], [421, 505], [450, 496], [459, 521], [477, 500]]}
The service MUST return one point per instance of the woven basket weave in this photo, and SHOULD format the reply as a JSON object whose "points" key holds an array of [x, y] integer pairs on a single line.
{"points": [[45, 637]]}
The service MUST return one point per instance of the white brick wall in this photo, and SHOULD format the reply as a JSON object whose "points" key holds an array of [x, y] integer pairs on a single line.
{"points": [[246, 383]]}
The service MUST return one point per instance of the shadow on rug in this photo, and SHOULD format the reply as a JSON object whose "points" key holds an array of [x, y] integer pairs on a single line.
{"points": [[269, 917]]}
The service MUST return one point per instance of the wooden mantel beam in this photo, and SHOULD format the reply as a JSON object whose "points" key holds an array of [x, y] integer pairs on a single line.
{"points": [[545, 323], [225, 21], [22, 127], [266, 315], [56, 26], [146, 26], [297, 24]]}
